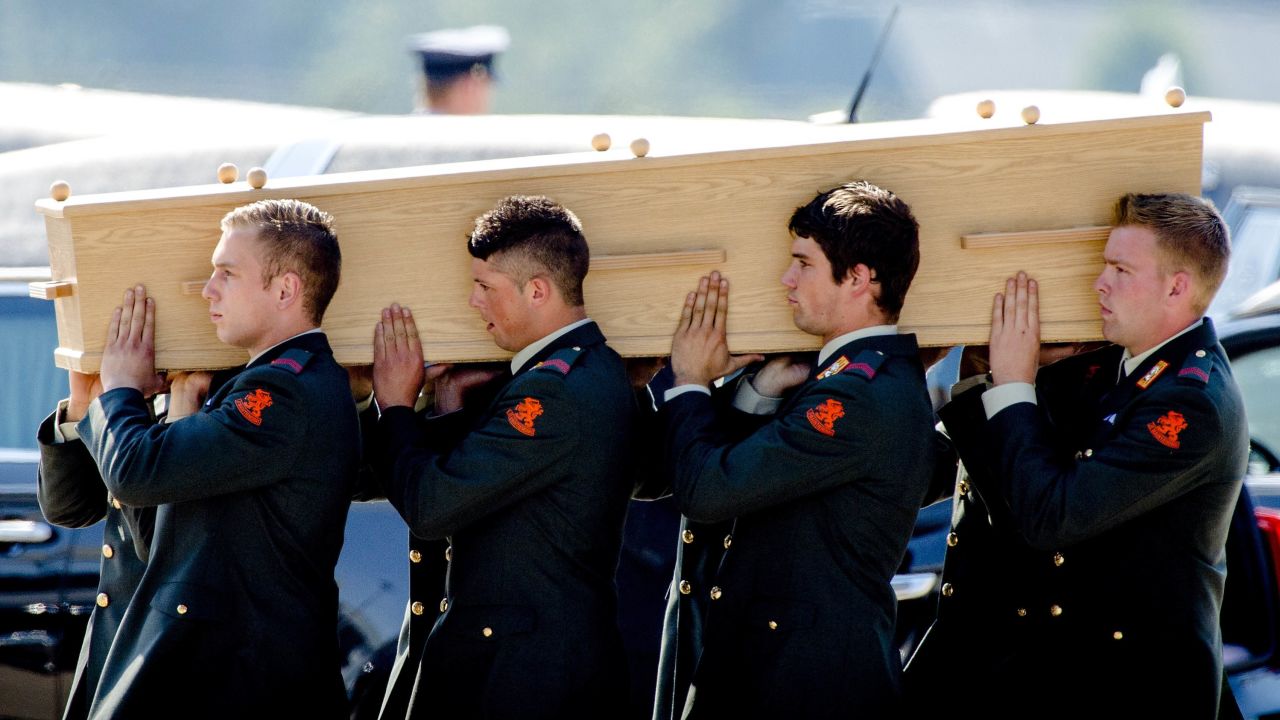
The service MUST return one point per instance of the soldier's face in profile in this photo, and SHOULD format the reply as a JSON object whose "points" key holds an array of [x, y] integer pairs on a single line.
{"points": [[240, 306], [502, 304], [1133, 290], [813, 295]]}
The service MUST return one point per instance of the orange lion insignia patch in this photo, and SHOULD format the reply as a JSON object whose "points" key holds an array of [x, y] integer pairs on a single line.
{"points": [[823, 417], [1165, 429], [522, 416], [252, 405]]}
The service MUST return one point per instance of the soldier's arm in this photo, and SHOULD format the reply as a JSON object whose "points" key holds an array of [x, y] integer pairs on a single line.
{"points": [[1159, 453], [511, 456], [248, 441], [68, 485]]}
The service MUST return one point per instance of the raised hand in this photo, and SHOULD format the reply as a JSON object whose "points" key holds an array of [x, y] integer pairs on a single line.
{"points": [[397, 358], [1015, 332], [699, 348], [129, 357]]}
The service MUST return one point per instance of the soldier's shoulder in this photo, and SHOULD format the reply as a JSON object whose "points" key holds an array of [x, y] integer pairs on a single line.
{"points": [[859, 367]]}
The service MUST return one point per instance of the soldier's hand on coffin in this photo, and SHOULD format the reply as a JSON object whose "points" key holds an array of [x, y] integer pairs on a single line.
{"points": [[780, 374], [699, 348], [84, 388], [641, 370], [397, 359], [187, 391], [453, 385], [129, 357], [1015, 332]]}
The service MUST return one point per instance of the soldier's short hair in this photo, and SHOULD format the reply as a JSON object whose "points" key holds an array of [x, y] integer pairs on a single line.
{"points": [[1190, 234], [297, 237], [859, 222], [532, 235]]}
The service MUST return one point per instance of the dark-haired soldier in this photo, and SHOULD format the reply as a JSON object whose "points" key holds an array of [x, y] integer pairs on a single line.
{"points": [[235, 614], [824, 492], [531, 493]]}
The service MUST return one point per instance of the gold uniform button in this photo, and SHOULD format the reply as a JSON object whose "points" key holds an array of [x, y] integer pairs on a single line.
{"points": [[947, 590], [1022, 612], [487, 632], [685, 587], [964, 487], [415, 556], [952, 539], [716, 593], [448, 554], [417, 608], [773, 624], [1055, 610], [115, 503], [107, 551], [1117, 635], [182, 609], [1088, 452], [728, 540], [444, 604], [103, 600], [687, 536], [1058, 559]]}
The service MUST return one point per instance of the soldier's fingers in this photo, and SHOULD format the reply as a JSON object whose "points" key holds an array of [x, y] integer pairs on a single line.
{"points": [[399, 339], [126, 315], [686, 313], [997, 315], [410, 327], [380, 339], [113, 327], [1020, 303], [713, 301], [149, 324], [700, 303], [722, 305], [139, 318], [1033, 307]]}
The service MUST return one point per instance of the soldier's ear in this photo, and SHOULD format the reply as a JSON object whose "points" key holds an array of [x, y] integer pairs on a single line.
{"points": [[288, 289], [538, 290], [1180, 286]]}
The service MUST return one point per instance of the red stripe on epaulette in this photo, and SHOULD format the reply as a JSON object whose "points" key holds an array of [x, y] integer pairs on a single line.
{"points": [[1198, 372], [557, 364], [289, 363], [863, 368]]}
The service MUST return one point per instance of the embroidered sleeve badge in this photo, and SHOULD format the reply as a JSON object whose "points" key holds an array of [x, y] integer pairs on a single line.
{"points": [[1165, 429], [522, 416], [824, 416], [252, 405]]}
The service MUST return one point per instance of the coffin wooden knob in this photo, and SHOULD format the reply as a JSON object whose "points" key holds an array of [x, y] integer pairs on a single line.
{"points": [[601, 142], [639, 147], [228, 173], [51, 289], [257, 178], [60, 190], [986, 109], [1175, 96], [1031, 114]]}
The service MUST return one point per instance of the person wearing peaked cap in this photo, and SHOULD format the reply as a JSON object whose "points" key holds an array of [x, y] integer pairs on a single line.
{"points": [[531, 491], [1094, 586], [821, 469], [457, 68]]}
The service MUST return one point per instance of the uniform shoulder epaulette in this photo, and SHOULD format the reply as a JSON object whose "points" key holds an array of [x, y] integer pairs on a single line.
{"points": [[1197, 368], [864, 365], [292, 360], [560, 361]]}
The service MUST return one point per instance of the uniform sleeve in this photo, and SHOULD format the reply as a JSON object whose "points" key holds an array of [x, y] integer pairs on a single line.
{"points": [[1157, 454], [806, 450], [250, 440], [68, 484], [511, 455]]}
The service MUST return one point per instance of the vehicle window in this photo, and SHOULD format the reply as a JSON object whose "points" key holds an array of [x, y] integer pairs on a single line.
{"points": [[1255, 257], [1258, 375], [31, 383]]}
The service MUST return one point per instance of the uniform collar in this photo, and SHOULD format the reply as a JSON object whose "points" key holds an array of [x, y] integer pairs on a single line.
{"points": [[873, 331], [272, 350], [313, 340], [1130, 363], [582, 332]]}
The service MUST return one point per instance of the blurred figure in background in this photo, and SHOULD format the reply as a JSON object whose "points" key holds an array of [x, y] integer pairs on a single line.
{"points": [[457, 68]]}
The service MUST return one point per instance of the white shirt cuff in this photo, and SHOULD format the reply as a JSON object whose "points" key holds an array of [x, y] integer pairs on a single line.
{"points": [[679, 390], [1002, 396], [749, 400], [364, 404], [63, 431]]}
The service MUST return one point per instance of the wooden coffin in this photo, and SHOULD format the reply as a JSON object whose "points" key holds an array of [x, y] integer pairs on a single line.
{"points": [[990, 201]]}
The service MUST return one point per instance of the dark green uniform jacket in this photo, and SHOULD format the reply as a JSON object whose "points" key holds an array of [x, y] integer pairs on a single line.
{"points": [[533, 501], [825, 494], [72, 494], [1087, 563], [236, 613]]}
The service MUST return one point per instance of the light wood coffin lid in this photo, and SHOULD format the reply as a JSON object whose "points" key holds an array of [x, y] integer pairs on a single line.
{"points": [[989, 202]]}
